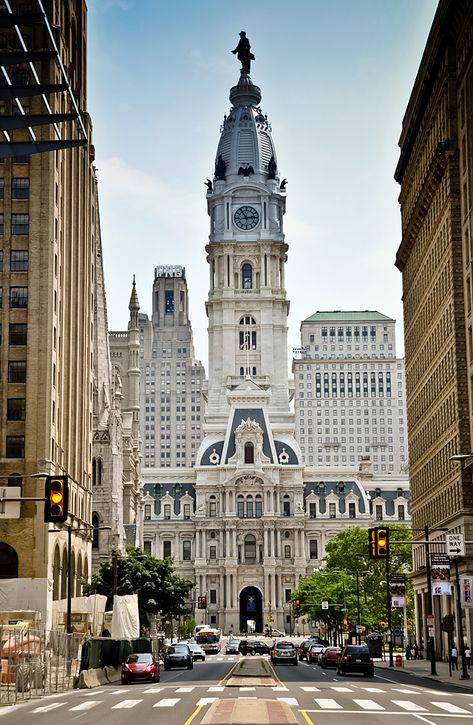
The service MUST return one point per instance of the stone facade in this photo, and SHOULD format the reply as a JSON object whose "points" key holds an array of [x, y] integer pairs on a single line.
{"points": [[49, 225], [435, 258], [249, 520], [350, 392]]}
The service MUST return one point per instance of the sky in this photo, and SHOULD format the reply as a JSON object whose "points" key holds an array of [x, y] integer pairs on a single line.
{"points": [[335, 78]]}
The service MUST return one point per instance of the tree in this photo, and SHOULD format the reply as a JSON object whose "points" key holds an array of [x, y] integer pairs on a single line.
{"points": [[346, 554], [159, 589]]}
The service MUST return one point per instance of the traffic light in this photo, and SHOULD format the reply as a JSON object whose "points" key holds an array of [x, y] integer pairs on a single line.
{"points": [[202, 603], [378, 542], [57, 497], [296, 605]]}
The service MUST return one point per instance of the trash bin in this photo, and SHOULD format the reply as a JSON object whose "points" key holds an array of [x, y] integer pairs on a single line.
{"points": [[398, 660]]}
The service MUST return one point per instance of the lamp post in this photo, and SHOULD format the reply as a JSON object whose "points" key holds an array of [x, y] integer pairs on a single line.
{"points": [[460, 458]]}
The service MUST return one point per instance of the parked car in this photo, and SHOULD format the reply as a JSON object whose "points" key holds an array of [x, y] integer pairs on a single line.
{"points": [[232, 647], [355, 658], [329, 657], [313, 652], [140, 666], [253, 647], [178, 655], [196, 651], [284, 651]]}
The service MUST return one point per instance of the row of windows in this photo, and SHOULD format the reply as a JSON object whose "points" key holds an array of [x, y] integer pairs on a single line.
{"points": [[249, 549], [20, 188], [340, 332], [20, 224], [18, 297], [18, 260]]}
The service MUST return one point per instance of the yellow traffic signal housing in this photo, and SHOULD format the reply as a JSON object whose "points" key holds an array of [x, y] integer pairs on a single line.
{"points": [[202, 603], [56, 499], [378, 539], [296, 605]]}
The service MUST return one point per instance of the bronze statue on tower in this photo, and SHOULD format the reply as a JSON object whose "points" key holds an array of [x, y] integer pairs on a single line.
{"points": [[243, 52]]}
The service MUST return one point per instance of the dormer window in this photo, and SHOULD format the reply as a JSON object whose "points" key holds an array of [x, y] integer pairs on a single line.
{"points": [[249, 452], [167, 511]]}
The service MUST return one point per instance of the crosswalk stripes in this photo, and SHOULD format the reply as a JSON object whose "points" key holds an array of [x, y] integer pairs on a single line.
{"points": [[87, 705], [369, 705], [124, 704], [47, 708], [409, 705], [327, 703], [167, 702], [451, 708]]}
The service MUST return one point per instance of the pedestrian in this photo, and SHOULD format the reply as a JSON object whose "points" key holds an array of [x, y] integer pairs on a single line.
{"points": [[408, 652], [454, 658], [416, 650], [468, 656]]}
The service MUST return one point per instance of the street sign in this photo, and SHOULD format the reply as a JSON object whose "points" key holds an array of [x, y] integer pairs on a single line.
{"points": [[324, 605], [455, 544]]}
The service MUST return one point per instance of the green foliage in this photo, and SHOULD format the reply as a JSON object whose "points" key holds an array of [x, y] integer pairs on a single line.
{"points": [[336, 583], [160, 590]]}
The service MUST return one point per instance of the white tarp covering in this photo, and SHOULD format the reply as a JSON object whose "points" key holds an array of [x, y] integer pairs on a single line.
{"points": [[125, 619], [25, 594]]}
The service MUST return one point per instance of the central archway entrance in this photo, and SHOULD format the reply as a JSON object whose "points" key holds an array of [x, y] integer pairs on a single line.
{"points": [[251, 609]]}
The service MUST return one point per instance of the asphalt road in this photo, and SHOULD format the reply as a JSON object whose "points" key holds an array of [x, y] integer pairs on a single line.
{"points": [[313, 694]]}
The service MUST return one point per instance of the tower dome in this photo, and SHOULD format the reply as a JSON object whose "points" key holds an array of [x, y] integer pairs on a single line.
{"points": [[245, 147]]}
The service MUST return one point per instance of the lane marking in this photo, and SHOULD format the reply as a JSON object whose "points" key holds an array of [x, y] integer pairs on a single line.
{"points": [[153, 690], [368, 704], [342, 689], [449, 707], [191, 717], [186, 689], [126, 704], [47, 708], [289, 701], [309, 689], [409, 705], [206, 701], [326, 703], [306, 717], [215, 688], [167, 702], [87, 705]]}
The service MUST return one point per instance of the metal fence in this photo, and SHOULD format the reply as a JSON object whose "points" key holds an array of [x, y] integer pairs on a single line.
{"points": [[35, 663]]}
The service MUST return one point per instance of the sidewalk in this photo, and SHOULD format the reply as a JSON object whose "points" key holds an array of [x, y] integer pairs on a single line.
{"points": [[422, 668]]}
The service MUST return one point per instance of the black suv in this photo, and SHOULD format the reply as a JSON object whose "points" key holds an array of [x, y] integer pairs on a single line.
{"points": [[253, 647], [355, 658]]}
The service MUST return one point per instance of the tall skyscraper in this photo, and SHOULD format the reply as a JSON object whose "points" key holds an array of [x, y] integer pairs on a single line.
{"points": [[249, 520], [48, 228], [349, 392], [435, 258], [172, 390]]}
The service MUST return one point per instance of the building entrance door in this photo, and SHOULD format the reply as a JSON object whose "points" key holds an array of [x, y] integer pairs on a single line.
{"points": [[251, 610]]}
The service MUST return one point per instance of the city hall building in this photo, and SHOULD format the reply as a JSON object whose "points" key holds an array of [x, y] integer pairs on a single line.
{"points": [[249, 519]]}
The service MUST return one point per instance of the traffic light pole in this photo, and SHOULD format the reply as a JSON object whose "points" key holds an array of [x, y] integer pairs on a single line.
{"points": [[428, 571], [388, 602]]}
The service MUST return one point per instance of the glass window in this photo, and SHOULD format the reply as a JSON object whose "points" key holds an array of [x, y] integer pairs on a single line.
{"points": [[20, 223], [166, 549], [240, 507], [351, 510], [1, 223], [167, 511], [187, 511], [2, 188], [19, 260], [17, 371], [212, 552], [379, 513], [247, 276], [212, 508], [312, 510], [287, 551], [186, 550], [250, 547], [17, 333], [16, 408], [286, 506], [213, 596], [1, 260], [258, 507], [147, 547], [332, 510], [249, 452], [147, 511], [313, 549], [169, 301], [20, 188], [15, 447], [19, 297]]}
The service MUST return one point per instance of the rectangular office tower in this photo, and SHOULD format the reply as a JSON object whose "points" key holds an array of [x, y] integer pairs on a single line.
{"points": [[171, 393], [48, 221], [349, 392], [435, 258]]}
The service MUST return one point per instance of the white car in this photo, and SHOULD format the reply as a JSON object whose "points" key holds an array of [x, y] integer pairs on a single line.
{"points": [[196, 651]]}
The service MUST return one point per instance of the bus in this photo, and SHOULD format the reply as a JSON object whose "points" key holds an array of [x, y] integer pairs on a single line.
{"points": [[209, 640]]}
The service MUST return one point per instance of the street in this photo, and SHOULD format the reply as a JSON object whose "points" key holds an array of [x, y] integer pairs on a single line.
{"points": [[185, 696]]}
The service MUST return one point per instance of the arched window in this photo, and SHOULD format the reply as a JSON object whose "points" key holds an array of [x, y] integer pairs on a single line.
{"points": [[94, 471], [79, 577], [286, 505], [250, 548], [247, 276], [249, 452], [56, 573], [8, 562], [212, 506], [240, 506], [95, 532], [247, 320], [258, 506], [64, 574], [249, 507]]}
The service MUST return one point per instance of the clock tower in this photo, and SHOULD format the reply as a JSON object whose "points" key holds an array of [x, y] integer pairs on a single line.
{"points": [[247, 306]]}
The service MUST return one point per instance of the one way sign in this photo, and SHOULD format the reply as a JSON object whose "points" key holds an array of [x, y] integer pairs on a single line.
{"points": [[455, 545]]}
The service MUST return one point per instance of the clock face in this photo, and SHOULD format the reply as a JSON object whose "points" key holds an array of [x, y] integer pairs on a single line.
{"points": [[246, 217]]}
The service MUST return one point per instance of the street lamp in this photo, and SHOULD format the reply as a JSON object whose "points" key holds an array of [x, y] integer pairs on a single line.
{"points": [[460, 458]]}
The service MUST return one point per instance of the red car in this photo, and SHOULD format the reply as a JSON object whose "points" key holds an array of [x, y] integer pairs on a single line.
{"points": [[329, 657], [140, 666]]}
